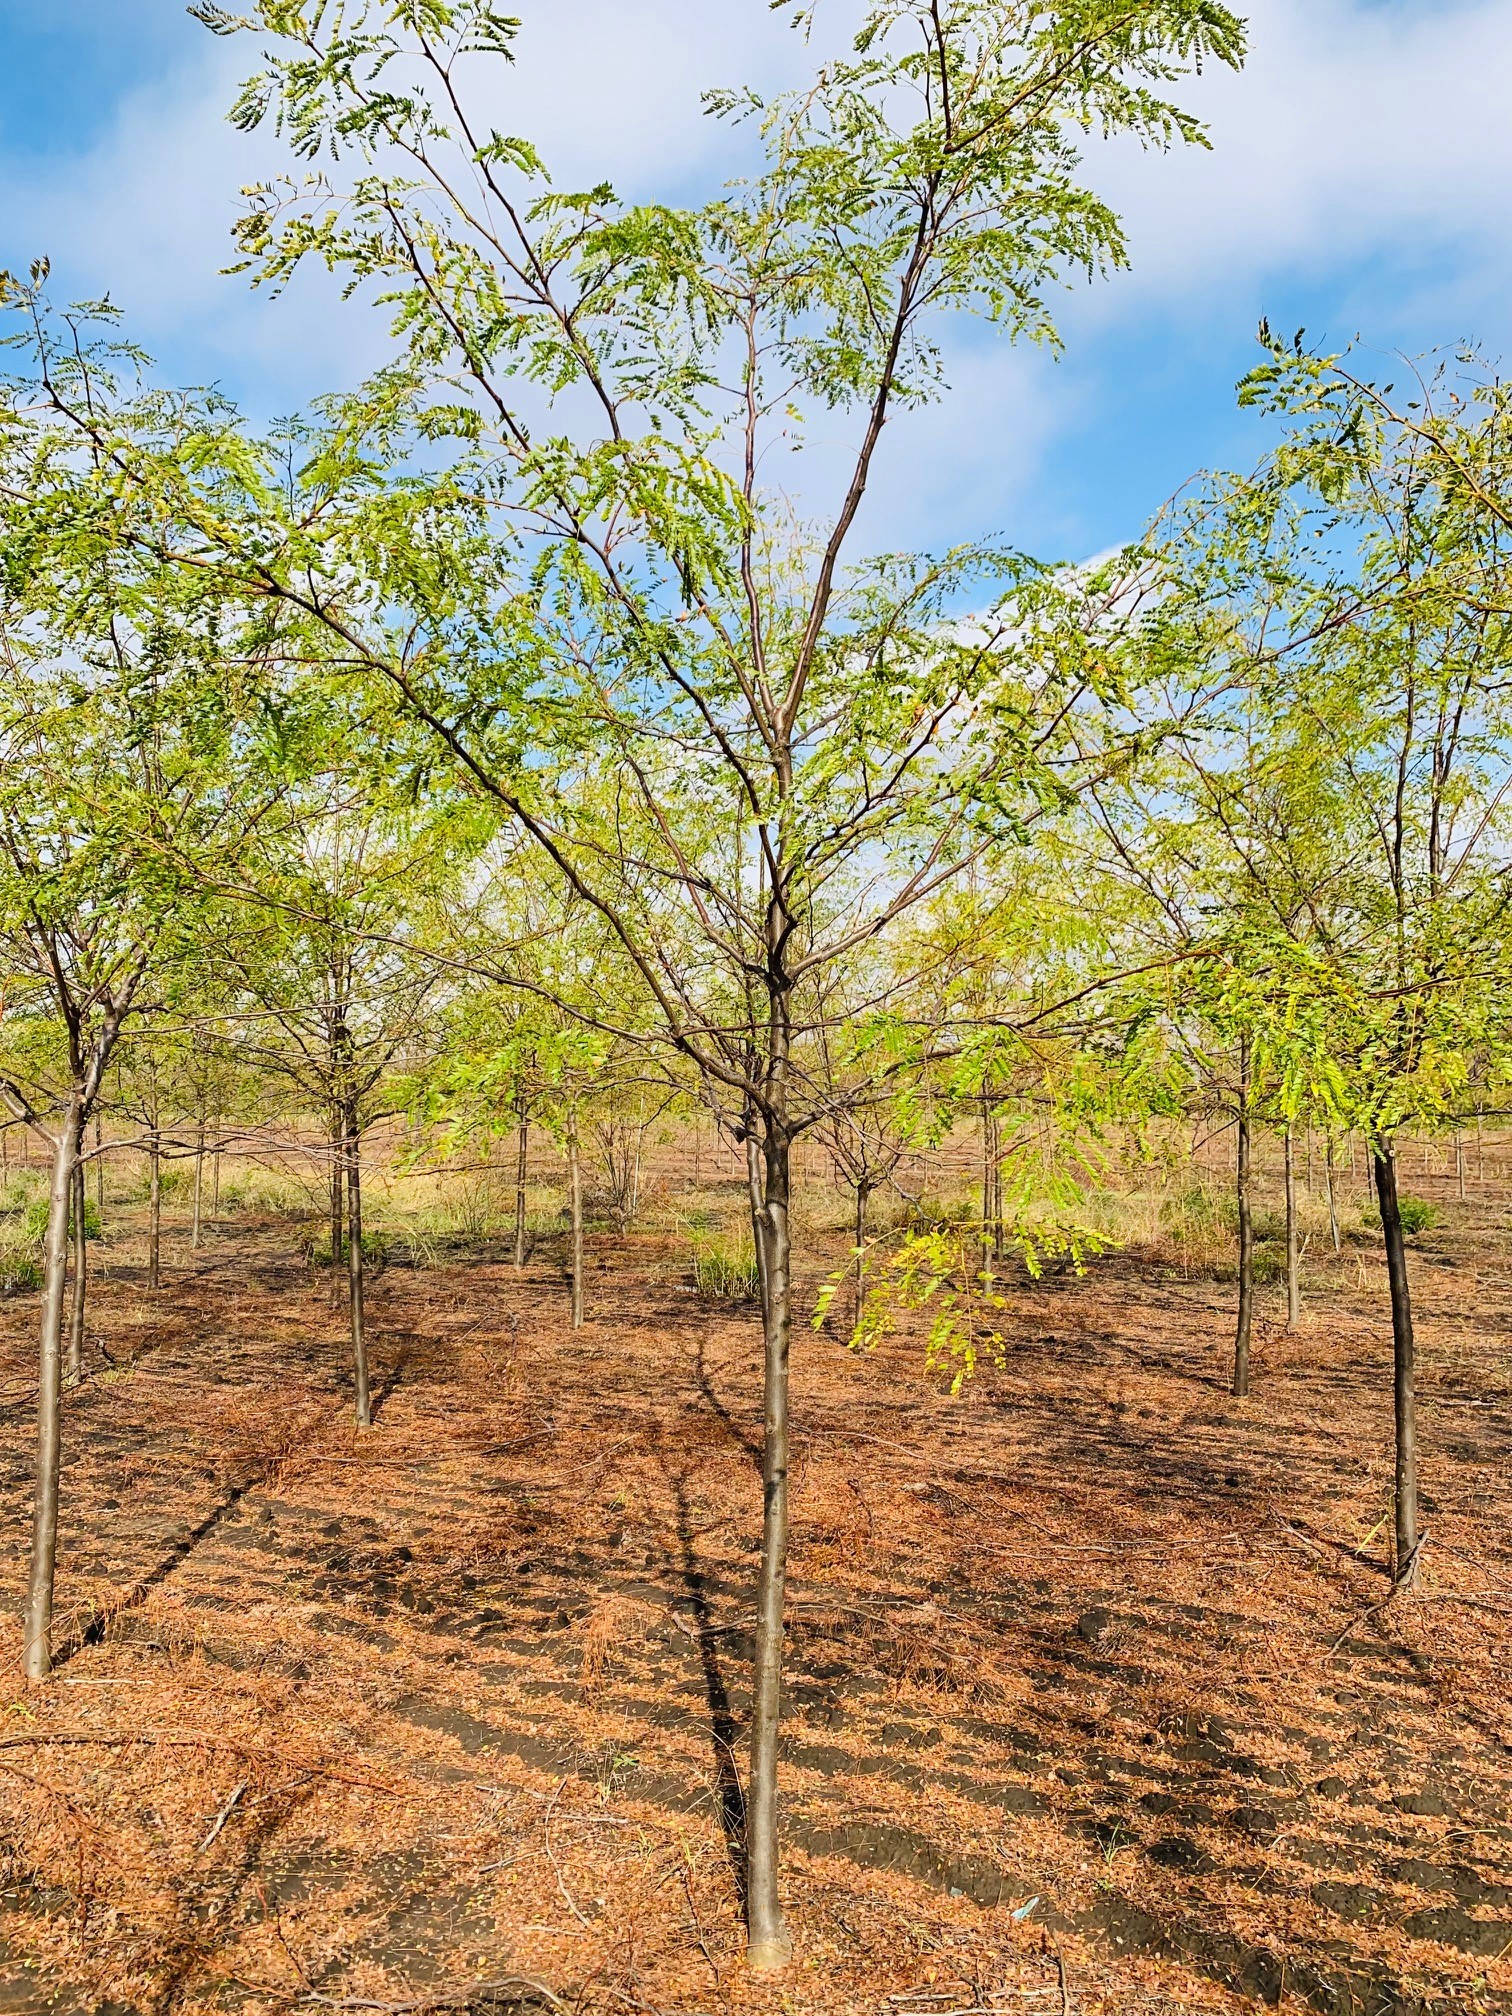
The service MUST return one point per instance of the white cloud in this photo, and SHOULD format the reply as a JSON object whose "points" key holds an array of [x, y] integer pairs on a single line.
{"points": [[607, 88], [1354, 129], [1358, 128]]}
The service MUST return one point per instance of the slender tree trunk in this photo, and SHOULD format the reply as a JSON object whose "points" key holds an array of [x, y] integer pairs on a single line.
{"points": [[338, 1182], [154, 1211], [523, 1117], [1293, 1245], [1333, 1208], [1408, 1539], [1246, 1246], [989, 1227], [199, 1187], [1307, 1172], [575, 1194], [754, 1189], [1480, 1149], [37, 1630], [770, 1946], [863, 1192], [100, 1171], [1459, 1164], [80, 1275], [215, 1176], [355, 1279]]}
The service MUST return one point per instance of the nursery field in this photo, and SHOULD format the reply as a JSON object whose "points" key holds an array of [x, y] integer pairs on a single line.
{"points": [[1095, 1700]]}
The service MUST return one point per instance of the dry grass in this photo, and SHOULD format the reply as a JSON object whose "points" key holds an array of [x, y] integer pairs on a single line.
{"points": [[478, 1679]]}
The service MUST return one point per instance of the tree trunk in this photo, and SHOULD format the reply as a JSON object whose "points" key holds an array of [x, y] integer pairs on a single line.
{"points": [[37, 1632], [769, 1945], [338, 1179], [199, 1187], [989, 1223], [154, 1211], [575, 1192], [1246, 1252], [80, 1275], [758, 1219], [215, 1175], [354, 1271], [1293, 1248], [1333, 1209], [100, 1171], [863, 1192], [521, 1160], [1404, 1382], [1459, 1164]]}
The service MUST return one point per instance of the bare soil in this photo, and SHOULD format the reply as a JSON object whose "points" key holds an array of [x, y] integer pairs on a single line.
{"points": [[1096, 1701]]}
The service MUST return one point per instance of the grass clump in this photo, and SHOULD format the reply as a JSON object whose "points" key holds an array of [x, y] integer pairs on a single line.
{"points": [[34, 1220], [1416, 1213], [725, 1270], [20, 1259]]}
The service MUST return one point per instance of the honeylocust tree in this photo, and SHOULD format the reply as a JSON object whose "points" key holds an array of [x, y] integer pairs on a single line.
{"points": [[1376, 542], [750, 747], [337, 994], [117, 763]]}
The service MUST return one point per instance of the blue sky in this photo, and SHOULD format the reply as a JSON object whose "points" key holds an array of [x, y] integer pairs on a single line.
{"points": [[1357, 184]]}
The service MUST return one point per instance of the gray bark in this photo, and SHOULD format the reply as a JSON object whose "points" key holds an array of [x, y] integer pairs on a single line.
{"points": [[522, 1113], [37, 1629], [770, 1946], [575, 1187], [199, 1188], [355, 1278], [1246, 1253], [1293, 1244], [754, 1189], [863, 1193], [76, 1312], [1404, 1370], [154, 1211], [338, 1181], [1333, 1207]]}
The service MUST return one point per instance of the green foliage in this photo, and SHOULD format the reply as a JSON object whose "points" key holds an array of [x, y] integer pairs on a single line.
{"points": [[940, 1270]]}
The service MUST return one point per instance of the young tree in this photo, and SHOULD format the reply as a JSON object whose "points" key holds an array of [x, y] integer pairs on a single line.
{"points": [[115, 760], [1367, 565], [748, 748], [336, 991]]}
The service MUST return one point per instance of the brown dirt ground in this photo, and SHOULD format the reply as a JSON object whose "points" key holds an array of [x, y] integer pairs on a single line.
{"points": [[1089, 1667]]}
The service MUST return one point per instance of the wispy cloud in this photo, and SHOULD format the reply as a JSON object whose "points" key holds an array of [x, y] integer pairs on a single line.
{"points": [[1362, 130]]}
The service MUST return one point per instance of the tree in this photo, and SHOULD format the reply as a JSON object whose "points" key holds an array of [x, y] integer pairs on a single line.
{"points": [[1366, 566], [338, 985], [748, 749], [115, 761]]}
